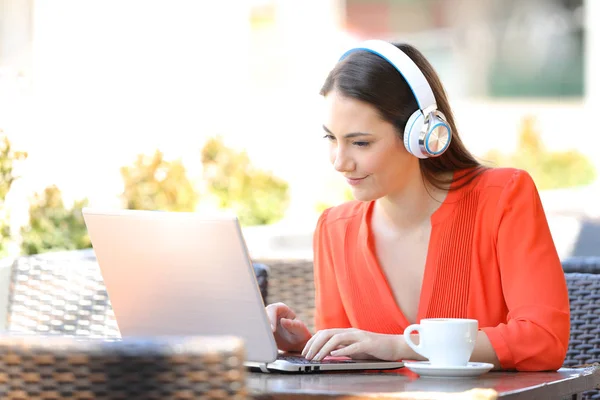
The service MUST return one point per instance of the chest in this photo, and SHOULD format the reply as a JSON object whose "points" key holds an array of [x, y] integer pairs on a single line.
{"points": [[402, 258]]}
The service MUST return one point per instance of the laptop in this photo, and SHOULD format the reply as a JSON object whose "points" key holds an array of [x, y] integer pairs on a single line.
{"points": [[180, 273]]}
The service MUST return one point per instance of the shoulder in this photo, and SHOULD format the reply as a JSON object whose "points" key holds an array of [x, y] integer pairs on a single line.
{"points": [[502, 190], [340, 216], [503, 178], [348, 210], [494, 190], [495, 184]]}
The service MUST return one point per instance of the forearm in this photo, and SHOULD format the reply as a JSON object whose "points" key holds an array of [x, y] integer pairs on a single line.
{"points": [[483, 352]]}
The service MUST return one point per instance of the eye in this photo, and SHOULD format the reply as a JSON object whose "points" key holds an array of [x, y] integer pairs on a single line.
{"points": [[329, 137], [361, 144]]}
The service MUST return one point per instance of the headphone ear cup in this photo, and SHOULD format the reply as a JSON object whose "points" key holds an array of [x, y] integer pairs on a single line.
{"points": [[412, 132], [436, 133]]}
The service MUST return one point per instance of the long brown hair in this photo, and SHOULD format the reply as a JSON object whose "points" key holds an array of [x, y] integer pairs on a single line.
{"points": [[367, 77]]}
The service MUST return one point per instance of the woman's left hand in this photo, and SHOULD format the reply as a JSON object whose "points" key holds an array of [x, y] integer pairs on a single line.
{"points": [[353, 343]]}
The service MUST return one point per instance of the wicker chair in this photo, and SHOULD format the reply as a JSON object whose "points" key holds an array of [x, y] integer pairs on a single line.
{"points": [[584, 343], [63, 293], [56, 368], [59, 293], [584, 265], [292, 282]]}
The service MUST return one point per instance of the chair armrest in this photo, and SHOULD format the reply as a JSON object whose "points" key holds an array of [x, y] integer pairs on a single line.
{"points": [[584, 265]]}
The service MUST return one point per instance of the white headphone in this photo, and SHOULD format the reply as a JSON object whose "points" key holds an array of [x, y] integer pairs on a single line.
{"points": [[426, 134]]}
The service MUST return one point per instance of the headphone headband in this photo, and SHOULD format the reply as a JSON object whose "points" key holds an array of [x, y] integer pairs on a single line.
{"points": [[406, 67]]}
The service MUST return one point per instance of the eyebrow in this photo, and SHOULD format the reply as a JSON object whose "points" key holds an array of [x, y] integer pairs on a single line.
{"points": [[348, 135]]}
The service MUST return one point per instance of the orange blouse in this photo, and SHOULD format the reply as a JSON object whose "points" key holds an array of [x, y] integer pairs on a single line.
{"points": [[490, 257]]}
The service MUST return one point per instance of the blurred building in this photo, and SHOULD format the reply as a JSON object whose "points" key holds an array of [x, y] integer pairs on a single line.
{"points": [[488, 48]]}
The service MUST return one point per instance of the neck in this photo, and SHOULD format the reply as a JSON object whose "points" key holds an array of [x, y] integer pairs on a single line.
{"points": [[412, 206]]}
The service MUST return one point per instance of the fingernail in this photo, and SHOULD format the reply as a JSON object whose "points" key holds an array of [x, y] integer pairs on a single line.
{"points": [[273, 328]]}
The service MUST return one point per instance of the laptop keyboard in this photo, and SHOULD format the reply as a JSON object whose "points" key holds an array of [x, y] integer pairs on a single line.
{"points": [[302, 360]]}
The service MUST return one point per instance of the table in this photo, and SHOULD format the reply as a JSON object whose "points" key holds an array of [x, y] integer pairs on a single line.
{"points": [[565, 383]]}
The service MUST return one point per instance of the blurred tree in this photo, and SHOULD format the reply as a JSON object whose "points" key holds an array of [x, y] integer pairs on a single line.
{"points": [[7, 158], [256, 196], [52, 226], [153, 183], [549, 170]]}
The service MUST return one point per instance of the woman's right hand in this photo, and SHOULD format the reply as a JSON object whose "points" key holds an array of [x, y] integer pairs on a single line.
{"points": [[290, 333]]}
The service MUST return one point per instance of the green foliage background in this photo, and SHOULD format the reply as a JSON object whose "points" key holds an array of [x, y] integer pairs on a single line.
{"points": [[153, 183], [549, 170], [52, 226], [257, 197], [8, 156]]}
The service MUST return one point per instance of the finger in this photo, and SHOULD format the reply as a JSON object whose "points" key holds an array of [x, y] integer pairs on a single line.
{"points": [[346, 338], [293, 326], [318, 341], [276, 311], [354, 348], [287, 325], [308, 344], [272, 317], [283, 311], [311, 341], [291, 334]]}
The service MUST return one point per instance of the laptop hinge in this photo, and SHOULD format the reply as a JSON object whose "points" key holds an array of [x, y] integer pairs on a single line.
{"points": [[263, 368]]}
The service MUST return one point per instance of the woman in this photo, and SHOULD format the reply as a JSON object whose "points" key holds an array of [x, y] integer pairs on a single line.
{"points": [[432, 233]]}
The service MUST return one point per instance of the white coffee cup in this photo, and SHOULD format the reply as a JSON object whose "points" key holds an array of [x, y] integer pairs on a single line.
{"points": [[446, 342]]}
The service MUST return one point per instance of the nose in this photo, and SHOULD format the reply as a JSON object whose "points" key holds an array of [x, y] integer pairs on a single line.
{"points": [[341, 160]]}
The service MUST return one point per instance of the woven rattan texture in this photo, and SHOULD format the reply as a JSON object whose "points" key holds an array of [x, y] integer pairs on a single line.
{"points": [[292, 282], [60, 293], [63, 368], [584, 344]]}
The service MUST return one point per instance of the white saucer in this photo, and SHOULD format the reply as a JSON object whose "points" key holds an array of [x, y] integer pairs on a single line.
{"points": [[425, 369]]}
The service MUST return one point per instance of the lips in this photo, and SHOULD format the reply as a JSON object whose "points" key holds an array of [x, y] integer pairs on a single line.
{"points": [[355, 181]]}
